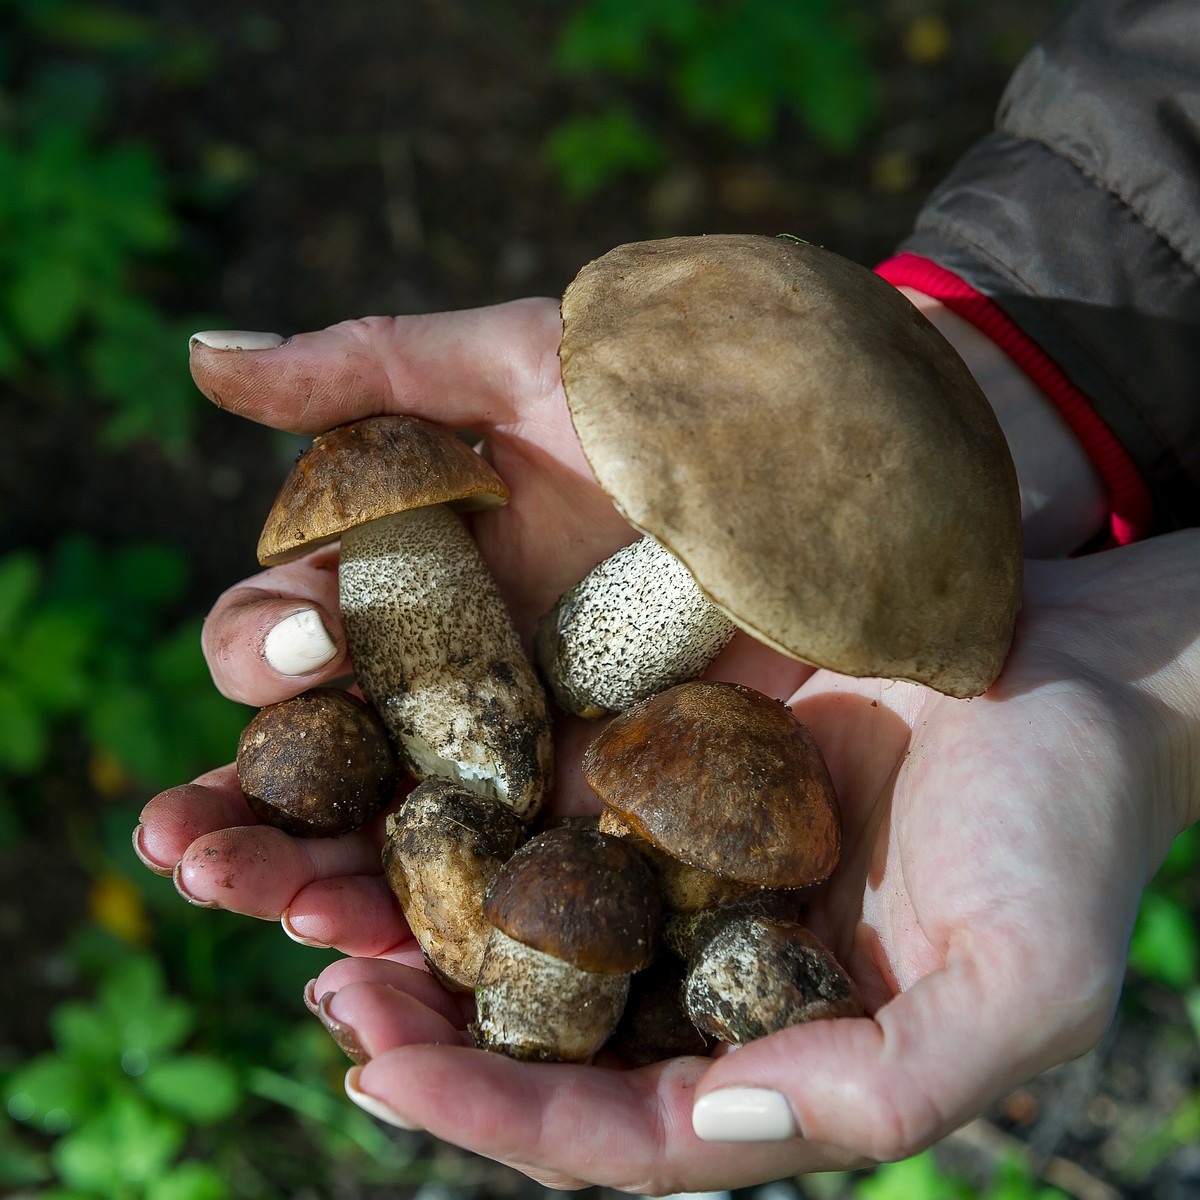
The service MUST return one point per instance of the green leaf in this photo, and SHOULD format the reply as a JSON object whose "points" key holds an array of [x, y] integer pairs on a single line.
{"points": [[917, 1178], [199, 1088], [129, 1143], [52, 1092], [589, 152], [148, 576], [1164, 942], [85, 1036], [24, 732], [44, 300], [190, 1181], [20, 575], [133, 997], [55, 647]]}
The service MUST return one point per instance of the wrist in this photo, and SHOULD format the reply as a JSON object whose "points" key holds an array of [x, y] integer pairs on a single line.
{"points": [[1064, 502]]}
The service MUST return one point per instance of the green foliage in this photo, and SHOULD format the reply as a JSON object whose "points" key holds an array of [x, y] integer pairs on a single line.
{"points": [[145, 1096], [730, 65], [1164, 945], [119, 1093], [81, 213], [86, 637], [923, 1178]]}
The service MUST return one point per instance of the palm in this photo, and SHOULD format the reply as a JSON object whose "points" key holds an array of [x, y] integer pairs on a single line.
{"points": [[983, 904]]}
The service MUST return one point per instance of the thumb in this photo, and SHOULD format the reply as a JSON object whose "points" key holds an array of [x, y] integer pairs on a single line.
{"points": [[886, 1087], [478, 368]]}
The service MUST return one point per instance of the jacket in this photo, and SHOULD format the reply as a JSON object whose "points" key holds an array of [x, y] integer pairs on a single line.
{"points": [[1079, 217]]}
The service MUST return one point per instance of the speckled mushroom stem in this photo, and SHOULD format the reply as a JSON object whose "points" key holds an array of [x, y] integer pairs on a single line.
{"points": [[436, 653], [749, 976], [634, 626], [534, 1006]]}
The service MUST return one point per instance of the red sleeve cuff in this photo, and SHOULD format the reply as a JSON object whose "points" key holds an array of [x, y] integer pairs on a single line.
{"points": [[1131, 508]]}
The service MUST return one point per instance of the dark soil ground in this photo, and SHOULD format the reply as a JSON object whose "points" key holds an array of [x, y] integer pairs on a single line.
{"points": [[387, 158]]}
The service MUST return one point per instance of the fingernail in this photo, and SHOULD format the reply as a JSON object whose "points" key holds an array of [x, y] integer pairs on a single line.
{"points": [[298, 644], [343, 1034], [369, 1104], [743, 1114], [139, 848], [181, 888], [286, 922], [237, 339], [310, 997]]}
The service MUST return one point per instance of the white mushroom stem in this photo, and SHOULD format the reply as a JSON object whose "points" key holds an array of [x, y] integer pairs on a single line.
{"points": [[436, 653], [750, 976], [636, 625], [532, 1005]]}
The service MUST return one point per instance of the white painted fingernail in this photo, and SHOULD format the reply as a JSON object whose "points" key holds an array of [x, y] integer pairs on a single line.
{"points": [[298, 644], [369, 1104], [743, 1114], [237, 339]]}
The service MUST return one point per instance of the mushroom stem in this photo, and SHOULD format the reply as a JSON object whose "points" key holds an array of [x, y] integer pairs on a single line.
{"points": [[443, 849], [436, 653], [750, 976], [532, 1005], [634, 626]]}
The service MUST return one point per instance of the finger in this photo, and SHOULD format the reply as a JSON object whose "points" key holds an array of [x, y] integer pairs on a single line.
{"points": [[461, 369], [257, 870], [174, 819], [357, 915], [382, 1016], [405, 973], [887, 1088], [276, 634], [623, 1129]]}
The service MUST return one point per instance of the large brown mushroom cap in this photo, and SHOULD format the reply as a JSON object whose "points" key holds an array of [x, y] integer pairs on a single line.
{"points": [[369, 469], [580, 896], [723, 778], [788, 425]]}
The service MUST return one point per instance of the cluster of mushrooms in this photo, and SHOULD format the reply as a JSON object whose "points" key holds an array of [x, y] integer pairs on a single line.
{"points": [[804, 459]]}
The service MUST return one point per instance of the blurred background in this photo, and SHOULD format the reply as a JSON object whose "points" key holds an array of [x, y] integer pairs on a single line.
{"points": [[171, 166]]}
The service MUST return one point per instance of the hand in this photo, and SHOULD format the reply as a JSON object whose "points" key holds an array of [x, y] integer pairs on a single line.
{"points": [[493, 371], [996, 850]]}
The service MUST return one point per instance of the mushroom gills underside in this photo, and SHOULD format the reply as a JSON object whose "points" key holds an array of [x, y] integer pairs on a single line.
{"points": [[436, 653]]}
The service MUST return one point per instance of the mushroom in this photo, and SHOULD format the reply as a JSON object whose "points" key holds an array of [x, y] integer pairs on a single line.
{"points": [[729, 795], [576, 913], [789, 427], [443, 849], [432, 643], [316, 765], [723, 787], [655, 1024], [753, 976]]}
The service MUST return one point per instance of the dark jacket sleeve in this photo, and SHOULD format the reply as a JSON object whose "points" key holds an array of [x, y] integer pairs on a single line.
{"points": [[1080, 217]]}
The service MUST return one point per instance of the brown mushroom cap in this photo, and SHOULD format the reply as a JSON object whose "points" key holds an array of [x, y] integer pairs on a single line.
{"points": [[580, 896], [316, 765], [723, 778], [788, 425], [368, 469]]}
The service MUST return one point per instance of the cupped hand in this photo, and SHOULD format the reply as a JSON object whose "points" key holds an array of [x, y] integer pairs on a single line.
{"points": [[995, 849], [493, 372], [995, 852]]}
